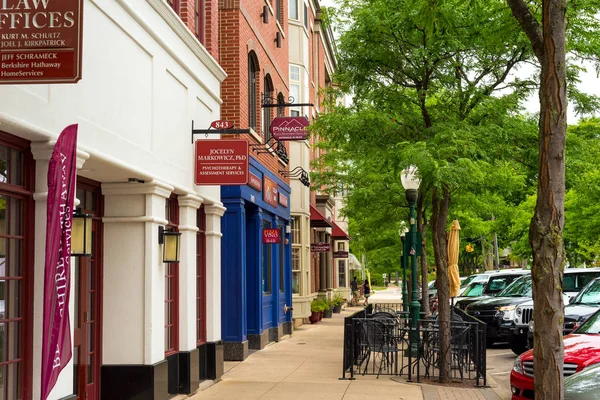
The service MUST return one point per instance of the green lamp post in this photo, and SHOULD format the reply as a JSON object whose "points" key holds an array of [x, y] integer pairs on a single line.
{"points": [[403, 261], [411, 182]]}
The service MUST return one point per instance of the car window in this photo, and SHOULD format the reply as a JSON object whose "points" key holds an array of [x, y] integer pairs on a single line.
{"points": [[473, 290], [519, 288], [497, 283], [584, 278], [569, 282], [590, 294], [592, 325], [468, 280]]}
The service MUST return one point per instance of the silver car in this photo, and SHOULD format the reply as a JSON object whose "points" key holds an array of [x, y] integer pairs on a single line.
{"points": [[584, 385]]}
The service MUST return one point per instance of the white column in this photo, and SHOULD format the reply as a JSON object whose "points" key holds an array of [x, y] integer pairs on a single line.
{"points": [[188, 211], [213, 271], [134, 274], [42, 151]]}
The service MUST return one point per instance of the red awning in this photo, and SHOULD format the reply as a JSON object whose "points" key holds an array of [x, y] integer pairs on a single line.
{"points": [[338, 234], [318, 220]]}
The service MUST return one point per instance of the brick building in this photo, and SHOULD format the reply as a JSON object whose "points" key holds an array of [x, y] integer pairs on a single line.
{"points": [[256, 289]]}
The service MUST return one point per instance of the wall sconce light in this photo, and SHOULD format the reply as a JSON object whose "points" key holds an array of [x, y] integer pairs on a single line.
{"points": [[81, 234], [171, 244], [265, 14], [278, 39]]}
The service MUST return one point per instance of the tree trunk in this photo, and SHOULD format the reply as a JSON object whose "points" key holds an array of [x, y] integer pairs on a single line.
{"points": [[545, 231], [439, 220], [421, 226]]}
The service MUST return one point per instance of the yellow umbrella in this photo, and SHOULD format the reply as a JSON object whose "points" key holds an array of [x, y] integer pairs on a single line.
{"points": [[453, 246]]}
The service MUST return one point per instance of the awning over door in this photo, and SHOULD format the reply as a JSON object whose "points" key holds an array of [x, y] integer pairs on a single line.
{"points": [[318, 220]]}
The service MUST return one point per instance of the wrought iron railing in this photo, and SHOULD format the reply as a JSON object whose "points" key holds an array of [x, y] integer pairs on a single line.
{"points": [[376, 342]]}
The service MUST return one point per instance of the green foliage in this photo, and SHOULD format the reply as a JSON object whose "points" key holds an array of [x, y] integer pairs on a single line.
{"points": [[432, 87]]}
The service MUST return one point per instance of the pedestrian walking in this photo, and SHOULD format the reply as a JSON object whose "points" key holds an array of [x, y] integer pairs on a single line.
{"points": [[355, 291], [366, 291]]}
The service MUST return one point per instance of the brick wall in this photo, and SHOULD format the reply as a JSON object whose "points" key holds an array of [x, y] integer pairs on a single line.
{"points": [[242, 31]]}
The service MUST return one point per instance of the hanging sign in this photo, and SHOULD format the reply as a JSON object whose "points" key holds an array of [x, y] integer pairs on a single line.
{"points": [[283, 200], [320, 247], [289, 128], [40, 41], [255, 182], [270, 195], [221, 124], [271, 235], [340, 254], [221, 162]]}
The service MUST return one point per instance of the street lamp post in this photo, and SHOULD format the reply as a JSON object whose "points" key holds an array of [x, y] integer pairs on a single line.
{"points": [[403, 262], [411, 182]]}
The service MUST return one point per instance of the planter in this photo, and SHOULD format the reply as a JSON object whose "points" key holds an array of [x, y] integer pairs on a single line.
{"points": [[337, 309], [314, 317], [320, 315], [328, 313]]}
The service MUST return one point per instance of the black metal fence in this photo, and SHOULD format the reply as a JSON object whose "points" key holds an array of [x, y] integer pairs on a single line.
{"points": [[377, 342]]}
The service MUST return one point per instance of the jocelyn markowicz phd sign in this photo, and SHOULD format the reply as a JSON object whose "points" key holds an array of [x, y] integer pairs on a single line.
{"points": [[221, 162], [40, 41]]}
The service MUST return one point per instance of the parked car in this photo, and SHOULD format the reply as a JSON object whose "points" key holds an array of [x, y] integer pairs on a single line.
{"points": [[473, 289], [582, 349], [579, 309], [495, 284], [498, 312], [584, 385]]}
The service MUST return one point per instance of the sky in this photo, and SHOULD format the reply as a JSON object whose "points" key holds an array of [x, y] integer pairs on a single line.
{"points": [[590, 83]]}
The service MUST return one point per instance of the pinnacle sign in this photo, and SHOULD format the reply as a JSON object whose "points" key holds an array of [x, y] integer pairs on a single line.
{"points": [[290, 128]]}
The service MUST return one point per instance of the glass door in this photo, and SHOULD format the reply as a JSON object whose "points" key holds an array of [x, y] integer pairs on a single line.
{"points": [[87, 291]]}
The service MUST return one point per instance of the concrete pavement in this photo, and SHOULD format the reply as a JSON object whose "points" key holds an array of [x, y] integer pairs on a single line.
{"points": [[308, 365]]}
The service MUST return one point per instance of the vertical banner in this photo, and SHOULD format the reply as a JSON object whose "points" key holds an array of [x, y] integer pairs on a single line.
{"points": [[56, 334]]}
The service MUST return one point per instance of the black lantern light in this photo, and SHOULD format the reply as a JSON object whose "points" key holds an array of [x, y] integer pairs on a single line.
{"points": [[81, 234], [171, 244]]}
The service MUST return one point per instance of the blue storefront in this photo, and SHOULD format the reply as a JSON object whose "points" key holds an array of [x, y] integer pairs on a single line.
{"points": [[255, 276]]}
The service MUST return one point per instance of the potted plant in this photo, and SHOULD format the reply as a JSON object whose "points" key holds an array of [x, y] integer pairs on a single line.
{"points": [[327, 309], [315, 308], [337, 304], [321, 309]]}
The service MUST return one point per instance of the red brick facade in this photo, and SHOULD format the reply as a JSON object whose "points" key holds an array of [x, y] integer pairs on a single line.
{"points": [[243, 33]]}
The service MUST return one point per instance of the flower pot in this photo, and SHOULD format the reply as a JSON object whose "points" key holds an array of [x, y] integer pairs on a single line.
{"points": [[328, 313], [314, 317], [337, 309], [320, 315]]}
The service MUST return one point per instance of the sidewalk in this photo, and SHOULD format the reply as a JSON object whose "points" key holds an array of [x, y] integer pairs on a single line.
{"points": [[308, 365]]}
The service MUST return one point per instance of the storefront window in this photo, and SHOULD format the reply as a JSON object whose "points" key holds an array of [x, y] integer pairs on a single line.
{"points": [[171, 286], [296, 270], [15, 272], [342, 273], [266, 263], [296, 251]]}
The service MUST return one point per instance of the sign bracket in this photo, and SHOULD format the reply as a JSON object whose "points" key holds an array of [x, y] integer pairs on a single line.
{"points": [[269, 102], [211, 130], [297, 172]]}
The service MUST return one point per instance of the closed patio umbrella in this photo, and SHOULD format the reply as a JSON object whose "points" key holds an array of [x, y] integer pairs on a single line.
{"points": [[453, 246]]}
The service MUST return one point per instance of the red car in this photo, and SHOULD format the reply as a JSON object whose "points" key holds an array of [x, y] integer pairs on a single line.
{"points": [[582, 349]]}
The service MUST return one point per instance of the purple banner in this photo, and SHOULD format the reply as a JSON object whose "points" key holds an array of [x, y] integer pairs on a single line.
{"points": [[56, 334]]}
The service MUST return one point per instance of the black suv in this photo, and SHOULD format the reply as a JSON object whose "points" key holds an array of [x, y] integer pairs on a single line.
{"points": [[498, 312], [495, 284]]}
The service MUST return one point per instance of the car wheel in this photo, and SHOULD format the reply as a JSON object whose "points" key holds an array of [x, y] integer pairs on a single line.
{"points": [[517, 344]]}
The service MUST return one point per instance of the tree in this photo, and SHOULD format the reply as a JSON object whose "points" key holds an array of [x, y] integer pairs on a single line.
{"points": [[548, 41], [423, 74]]}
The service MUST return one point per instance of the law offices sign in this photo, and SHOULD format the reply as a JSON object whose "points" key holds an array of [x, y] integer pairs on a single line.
{"points": [[289, 128], [40, 41]]}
